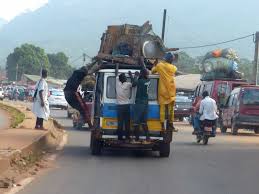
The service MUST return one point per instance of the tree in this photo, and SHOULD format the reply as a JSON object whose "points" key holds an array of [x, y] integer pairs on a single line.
{"points": [[59, 66], [246, 67], [27, 59], [187, 64]]}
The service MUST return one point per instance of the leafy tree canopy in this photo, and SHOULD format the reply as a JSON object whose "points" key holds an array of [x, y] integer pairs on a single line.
{"points": [[59, 67], [26, 59]]}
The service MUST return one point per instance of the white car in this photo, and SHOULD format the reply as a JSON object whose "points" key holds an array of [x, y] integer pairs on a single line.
{"points": [[57, 99], [1, 93]]}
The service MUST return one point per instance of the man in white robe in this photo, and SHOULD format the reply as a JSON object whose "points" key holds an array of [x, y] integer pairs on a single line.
{"points": [[41, 105]]}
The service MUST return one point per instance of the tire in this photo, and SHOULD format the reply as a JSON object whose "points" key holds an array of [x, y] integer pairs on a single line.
{"points": [[256, 131], [96, 146], [69, 115], [205, 140], [164, 150], [198, 139], [234, 128]]}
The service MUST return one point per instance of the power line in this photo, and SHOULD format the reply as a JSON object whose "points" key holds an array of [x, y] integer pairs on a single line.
{"points": [[219, 43], [76, 59]]}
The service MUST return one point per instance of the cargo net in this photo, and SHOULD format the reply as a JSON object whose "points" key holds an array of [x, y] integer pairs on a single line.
{"points": [[220, 64]]}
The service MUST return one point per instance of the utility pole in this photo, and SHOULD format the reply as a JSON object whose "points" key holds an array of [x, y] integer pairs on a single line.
{"points": [[84, 58], [163, 27], [255, 69], [16, 74]]}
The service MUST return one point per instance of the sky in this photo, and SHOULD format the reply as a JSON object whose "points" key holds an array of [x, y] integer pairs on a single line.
{"points": [[11, 8]]}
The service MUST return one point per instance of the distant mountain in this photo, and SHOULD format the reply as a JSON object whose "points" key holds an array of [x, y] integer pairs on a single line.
{"points": [[76, 26]]}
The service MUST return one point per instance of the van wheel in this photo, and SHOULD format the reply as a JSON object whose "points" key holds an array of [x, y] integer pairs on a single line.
{"points": [[205, 140], [234, 129], [256, 131], [96, 146], [164, 150]]}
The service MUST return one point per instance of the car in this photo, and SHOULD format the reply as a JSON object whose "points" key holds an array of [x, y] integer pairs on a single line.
{"points": [[241, 110], [57, 99], [219, 90], [182, 108], [6, 90], [1, 93]]}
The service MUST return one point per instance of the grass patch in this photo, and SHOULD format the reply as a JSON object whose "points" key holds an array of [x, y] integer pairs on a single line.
{"points": [[17, 116]]}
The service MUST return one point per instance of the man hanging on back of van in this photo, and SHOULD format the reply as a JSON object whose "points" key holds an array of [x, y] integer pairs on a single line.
{"points": [[73, 97], [166, 89], [140, 109]]}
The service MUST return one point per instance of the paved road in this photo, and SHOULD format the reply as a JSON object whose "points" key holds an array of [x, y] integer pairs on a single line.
{"points": [[227, 165]]}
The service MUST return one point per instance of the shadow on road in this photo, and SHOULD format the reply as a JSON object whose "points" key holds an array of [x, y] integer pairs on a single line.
{"points": [[245, 134], [85, 152]]}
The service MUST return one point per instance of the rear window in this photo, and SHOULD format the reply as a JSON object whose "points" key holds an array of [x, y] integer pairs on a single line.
{"points": [[251, 97], [152, 94], [57, 93]]}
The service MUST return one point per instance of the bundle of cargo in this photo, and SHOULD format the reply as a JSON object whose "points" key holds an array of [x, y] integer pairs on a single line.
{"points": [[124, 44], [220, 64]]}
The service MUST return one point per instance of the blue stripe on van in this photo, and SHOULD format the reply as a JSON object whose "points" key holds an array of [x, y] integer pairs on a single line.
{"points": [[110, 111]]}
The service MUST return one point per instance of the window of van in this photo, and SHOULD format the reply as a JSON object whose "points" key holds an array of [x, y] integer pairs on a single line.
{"points": [[251, 97], [230, 100], [153, 89], [201, 90], [208, 88]]}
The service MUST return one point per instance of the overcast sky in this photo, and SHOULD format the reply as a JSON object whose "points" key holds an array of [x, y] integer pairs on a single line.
{"points": [[11, 8]]}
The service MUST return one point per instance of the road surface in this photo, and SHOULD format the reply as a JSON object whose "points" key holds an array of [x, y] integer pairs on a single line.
{"points": [[227, 165]]}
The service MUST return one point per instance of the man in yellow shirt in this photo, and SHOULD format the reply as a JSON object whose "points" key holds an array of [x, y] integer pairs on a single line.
{"points": [[166, 89]]}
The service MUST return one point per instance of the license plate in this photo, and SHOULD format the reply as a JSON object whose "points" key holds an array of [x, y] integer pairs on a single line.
{"points": [[207, 129]]}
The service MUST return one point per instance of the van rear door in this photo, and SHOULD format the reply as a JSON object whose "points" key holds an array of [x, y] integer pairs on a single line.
{"points": [[250, 101]]}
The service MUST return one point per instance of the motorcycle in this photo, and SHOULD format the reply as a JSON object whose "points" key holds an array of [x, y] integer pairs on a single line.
{"points": [[206, 132]]}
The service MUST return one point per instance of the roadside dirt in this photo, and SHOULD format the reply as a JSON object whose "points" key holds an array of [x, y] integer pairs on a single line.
{"points": [[5, 119], [25, 169]]}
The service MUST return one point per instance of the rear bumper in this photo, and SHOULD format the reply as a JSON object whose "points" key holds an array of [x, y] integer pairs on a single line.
{"points": [[247, 121], [57, 105], [110, 140], [182, 113]]}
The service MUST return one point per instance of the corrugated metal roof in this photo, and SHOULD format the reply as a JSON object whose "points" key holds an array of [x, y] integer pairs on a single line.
{"points": [[188, 82], [51, 80]]}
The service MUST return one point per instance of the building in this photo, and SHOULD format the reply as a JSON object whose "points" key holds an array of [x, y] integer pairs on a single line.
{"points": [[187, 83], [52, 82]]}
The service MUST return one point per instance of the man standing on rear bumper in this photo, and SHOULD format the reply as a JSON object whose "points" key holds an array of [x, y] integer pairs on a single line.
{"points": [[166, 88], [123, 92], [140, 109]]}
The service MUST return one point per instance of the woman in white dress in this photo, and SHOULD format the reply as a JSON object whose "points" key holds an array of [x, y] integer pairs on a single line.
{"points": [[41, 105]]}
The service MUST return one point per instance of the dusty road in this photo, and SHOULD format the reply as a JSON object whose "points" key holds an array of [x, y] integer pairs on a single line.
{"points": [[227, 165]]}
